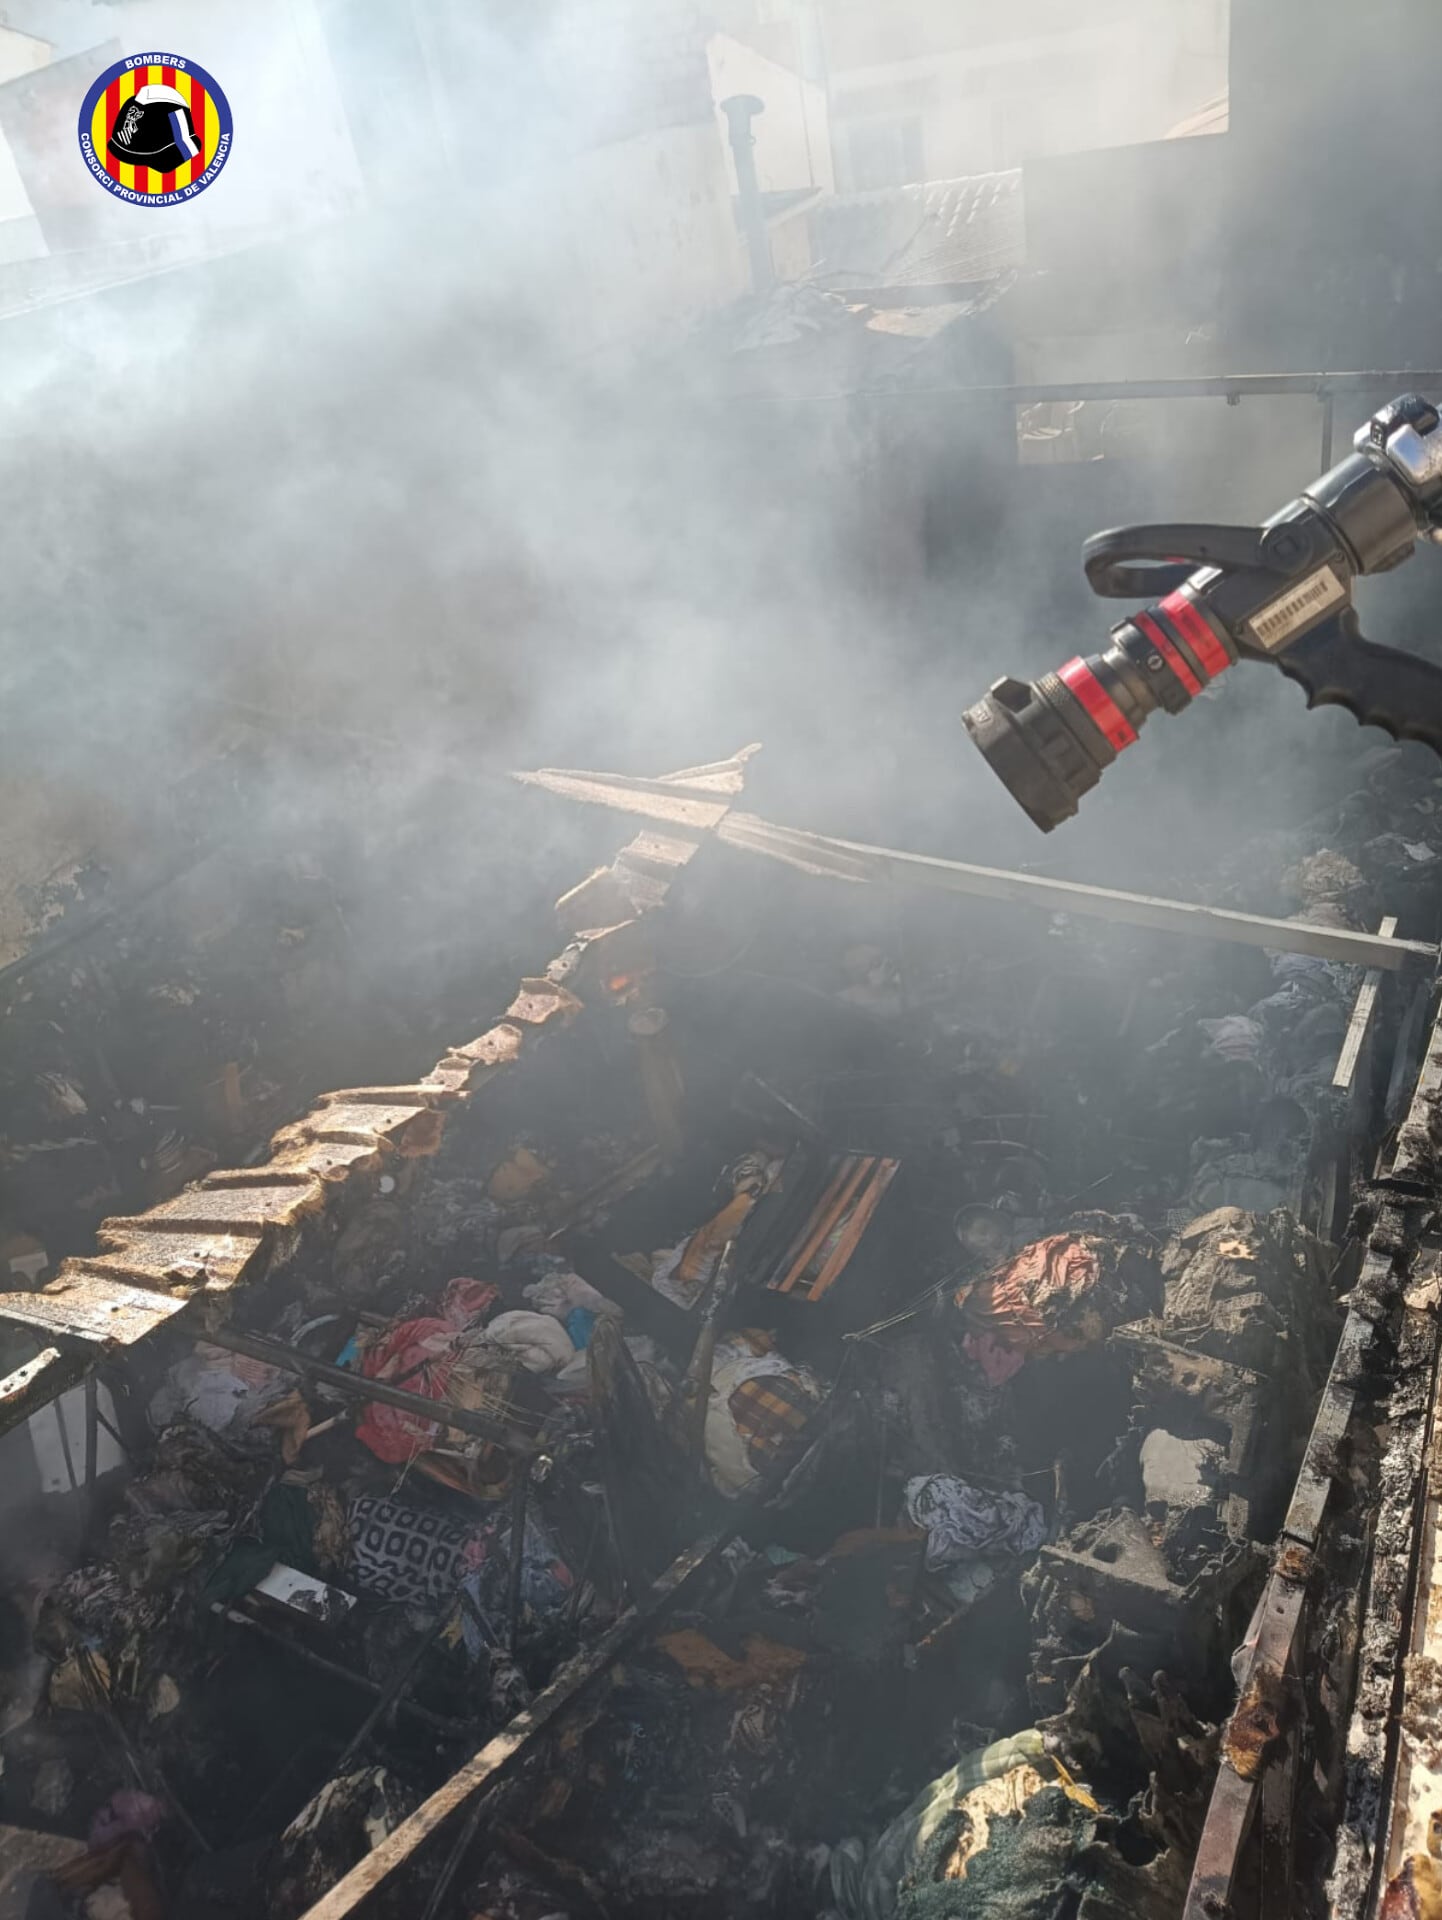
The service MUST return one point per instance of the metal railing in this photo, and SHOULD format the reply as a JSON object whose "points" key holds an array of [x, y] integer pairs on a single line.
{"points": [[1231, 387]]}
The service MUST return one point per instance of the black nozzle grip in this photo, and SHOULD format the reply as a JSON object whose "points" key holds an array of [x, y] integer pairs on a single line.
{"points": [[1172, 554], [1381, 686]]}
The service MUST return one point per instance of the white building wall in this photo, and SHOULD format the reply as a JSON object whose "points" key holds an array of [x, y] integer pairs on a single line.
{"points": [[993, 101], [627, 243], [793, 139], [20, 53]]}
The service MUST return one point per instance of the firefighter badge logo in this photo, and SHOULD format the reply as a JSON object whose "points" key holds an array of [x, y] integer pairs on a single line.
{"points": [[155, 129]]}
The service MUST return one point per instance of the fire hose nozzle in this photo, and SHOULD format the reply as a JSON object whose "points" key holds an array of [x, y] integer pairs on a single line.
{"points": [[1281, 592], [1050, 740]]}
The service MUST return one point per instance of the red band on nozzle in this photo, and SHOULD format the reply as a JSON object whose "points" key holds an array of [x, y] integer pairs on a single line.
{"points": [[1192, 626], [1171, 654], [1079, 679]]}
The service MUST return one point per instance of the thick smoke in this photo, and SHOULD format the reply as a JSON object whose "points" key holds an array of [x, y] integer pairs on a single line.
{"points": [[386, 494]]}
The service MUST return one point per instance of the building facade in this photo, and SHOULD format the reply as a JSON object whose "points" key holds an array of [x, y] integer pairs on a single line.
{"points": [[922, 90]]}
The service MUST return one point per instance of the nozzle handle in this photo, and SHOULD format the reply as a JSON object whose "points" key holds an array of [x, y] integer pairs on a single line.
{"points": [[1173, 553], [1380, 686]]}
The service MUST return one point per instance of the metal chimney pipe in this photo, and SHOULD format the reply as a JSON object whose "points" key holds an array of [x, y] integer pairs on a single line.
{"points": [[740, 110]]}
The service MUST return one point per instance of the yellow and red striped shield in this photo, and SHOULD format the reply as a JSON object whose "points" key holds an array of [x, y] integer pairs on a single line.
{"points": [[106, 102]]}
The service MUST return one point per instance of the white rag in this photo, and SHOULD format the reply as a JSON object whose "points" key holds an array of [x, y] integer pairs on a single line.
{"points": [[561, 1293], [961, 1521], [540, 1343]]}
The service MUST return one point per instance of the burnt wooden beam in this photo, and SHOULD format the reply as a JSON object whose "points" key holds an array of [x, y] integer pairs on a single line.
{"points": [[503, 1754], [1379, 1336], [1361, 1019], [1147, 910], [857, 861]]}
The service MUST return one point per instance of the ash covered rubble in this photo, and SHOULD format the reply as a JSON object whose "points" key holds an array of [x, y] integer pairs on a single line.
{"points": [[878, 1256]]}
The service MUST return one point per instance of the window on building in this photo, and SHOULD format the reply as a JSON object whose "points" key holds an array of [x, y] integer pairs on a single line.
{"points": [[882, 153]]}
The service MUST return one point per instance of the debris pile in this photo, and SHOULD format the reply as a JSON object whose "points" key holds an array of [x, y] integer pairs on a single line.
{"points": [[868, 1294]]}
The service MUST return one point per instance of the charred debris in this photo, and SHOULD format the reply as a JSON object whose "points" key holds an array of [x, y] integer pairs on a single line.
{"points": [[832, 1405]]}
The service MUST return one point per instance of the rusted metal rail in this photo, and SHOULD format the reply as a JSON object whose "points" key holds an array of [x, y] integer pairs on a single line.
{"points": [[1233, 388], [355, 1387], [1214, 386]]}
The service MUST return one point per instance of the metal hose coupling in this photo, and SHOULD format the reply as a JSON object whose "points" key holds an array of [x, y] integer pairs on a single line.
{"points": [[1050, 740]]}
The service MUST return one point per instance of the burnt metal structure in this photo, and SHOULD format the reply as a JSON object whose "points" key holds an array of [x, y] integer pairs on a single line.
{"points": [[356, 1388], [740, 110], [1387, 1355]]}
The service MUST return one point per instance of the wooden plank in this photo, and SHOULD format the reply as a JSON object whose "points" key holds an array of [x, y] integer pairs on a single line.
{"points": [[1361, 1016], [833, 1203], [654, 798], [856, 1221], [1414, 1164], [1417, 1785], [717, 776], [1375, 1807], [856, 860], [1234, 1795], [806, 852], [1146, 910]]}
